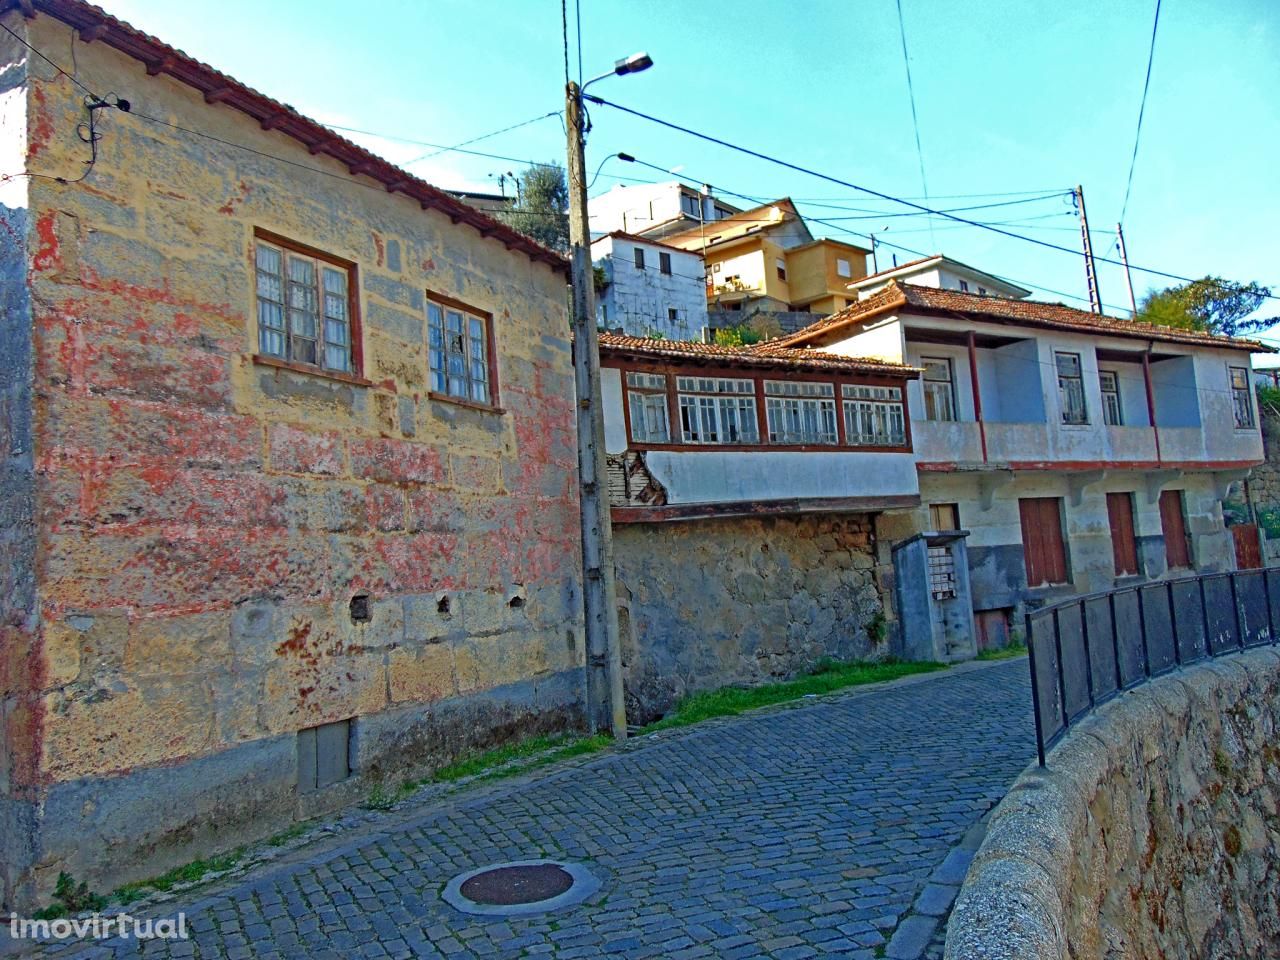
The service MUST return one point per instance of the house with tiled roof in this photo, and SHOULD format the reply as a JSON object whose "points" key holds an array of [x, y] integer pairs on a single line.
{"points": [[288, 478], [942, 272], [1079, 451], [754, 494], [648, 288]]}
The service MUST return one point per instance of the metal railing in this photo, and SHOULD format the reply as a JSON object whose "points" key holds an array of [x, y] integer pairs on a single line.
{"points": [[1086, 650]]}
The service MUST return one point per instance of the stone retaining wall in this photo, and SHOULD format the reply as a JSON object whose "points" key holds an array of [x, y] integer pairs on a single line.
{"points": [[741, 600], [1153, 832]]}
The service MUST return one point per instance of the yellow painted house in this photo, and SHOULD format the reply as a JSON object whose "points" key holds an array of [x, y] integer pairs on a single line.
{"points": [[766, 258]]}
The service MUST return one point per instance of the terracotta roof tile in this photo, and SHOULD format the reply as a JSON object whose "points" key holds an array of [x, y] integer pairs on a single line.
{"points": [[762, 354], [217, 87], [970, 306]]}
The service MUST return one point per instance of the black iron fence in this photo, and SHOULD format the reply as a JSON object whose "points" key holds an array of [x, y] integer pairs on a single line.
{"points": [[1086, 650]]}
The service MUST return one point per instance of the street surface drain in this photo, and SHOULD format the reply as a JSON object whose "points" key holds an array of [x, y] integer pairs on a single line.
{"points": [[520, 887]]}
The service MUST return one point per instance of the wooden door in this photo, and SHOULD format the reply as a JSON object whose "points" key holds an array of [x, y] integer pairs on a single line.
{"points": [[1043, 546], [1248, 546], [1176, 549], [1124, 544]]}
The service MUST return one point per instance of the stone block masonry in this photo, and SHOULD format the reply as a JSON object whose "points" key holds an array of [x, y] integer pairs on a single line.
{"points": [[185, 528], [707, 603], [1152, 832]]}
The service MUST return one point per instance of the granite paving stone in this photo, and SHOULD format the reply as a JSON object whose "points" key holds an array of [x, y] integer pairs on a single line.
{"points": [[833, 827]]}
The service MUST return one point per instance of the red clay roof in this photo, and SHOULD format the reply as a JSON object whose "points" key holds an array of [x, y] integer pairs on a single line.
{"points": [[984, 307], [760, 355], [94, 23]]}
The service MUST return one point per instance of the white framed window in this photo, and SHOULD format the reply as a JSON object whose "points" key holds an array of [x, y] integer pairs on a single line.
{"points": [[1071, 388], [458, 351], [780, 266], [801, 412], [305, 306], [647, 407], [1241, 396], [939, 388], [842, 267], [873, 416], [717, 410], [1112, 411]]}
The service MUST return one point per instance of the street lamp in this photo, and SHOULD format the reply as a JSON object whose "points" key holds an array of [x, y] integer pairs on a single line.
{"points": [[606, 707]]}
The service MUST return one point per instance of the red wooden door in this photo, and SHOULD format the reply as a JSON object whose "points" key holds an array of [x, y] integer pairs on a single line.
{"points": [[1176, 548], [1042, 543], [1124, 545], [1248, 546]]}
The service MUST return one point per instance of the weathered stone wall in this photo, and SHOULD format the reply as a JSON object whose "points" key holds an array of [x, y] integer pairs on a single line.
{"points": [[707, 603], [204, 520], [18, 672], [1153, 832]]}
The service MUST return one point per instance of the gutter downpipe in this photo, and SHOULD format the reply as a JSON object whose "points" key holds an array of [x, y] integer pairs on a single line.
{"points": [[1151, 401], [977, 394]]}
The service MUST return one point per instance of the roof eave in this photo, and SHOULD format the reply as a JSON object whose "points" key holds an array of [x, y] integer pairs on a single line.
{"points": [[159, 58]]}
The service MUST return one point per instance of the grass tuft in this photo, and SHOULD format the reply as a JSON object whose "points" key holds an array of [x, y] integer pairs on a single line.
{"points": [[1004, 653], [827, 676], [187, 873]]}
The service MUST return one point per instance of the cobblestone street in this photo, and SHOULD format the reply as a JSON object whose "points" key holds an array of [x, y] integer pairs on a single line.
{"points": [[830, 828]]}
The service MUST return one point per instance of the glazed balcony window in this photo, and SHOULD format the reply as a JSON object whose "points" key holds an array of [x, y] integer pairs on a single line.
{"points": [[800, 412], [1071, 389], [873, 416], [717, 410], [939, 389], [647, 407]]}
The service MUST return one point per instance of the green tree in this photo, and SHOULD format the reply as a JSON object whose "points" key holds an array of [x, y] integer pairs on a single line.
{"points": [[1210, 304], [542, 209]]}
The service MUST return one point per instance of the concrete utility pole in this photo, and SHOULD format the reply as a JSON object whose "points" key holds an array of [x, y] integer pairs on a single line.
{"points": [[606, 708], [1124, 258], [1090, 267]]}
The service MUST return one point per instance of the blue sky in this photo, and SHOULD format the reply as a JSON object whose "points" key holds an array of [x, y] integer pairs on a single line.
{"points": [[1010, 96]]}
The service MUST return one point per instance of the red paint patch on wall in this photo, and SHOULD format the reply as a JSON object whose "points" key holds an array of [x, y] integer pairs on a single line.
{"points": [[229, 207], [47, 255], [41, 130]]}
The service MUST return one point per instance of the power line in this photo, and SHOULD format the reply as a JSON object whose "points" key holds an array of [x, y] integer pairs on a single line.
{"points": [[1146, 85], [915, 122], [486, 136], [876, 193]]}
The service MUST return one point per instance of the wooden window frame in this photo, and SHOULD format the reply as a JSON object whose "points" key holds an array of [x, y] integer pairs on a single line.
{"points": [[1247, 390], [736, 372], [355, 325], [955, 513], [637, 257], [630, 390], [491, 352], [1119, 406], [664, 263], [1077, 378], [925, 380]]}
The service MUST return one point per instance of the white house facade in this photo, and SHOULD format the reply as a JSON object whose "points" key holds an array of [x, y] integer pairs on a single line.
{"points": [[941, 272], [649, 289], [1079, 451]]}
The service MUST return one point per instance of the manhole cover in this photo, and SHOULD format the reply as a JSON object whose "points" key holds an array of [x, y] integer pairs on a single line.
{"points": [[510, 885], [520, 887]]}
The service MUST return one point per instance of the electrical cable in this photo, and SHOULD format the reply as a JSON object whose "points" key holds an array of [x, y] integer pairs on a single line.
{"points": [[915, 121], [1142, 109], [738, 148]]}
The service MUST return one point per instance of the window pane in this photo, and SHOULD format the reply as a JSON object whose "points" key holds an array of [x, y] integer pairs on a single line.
{"points": [[268, 258], [336, 357]]}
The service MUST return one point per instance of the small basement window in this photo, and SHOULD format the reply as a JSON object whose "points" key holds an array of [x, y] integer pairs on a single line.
{"points": [[324, 755]]}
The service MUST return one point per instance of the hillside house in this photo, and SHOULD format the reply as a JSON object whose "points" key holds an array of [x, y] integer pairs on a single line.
{"points": [[754, 497], [655, 209], [941, 272], [290, 488], [1080, 451], [649, 288]]}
